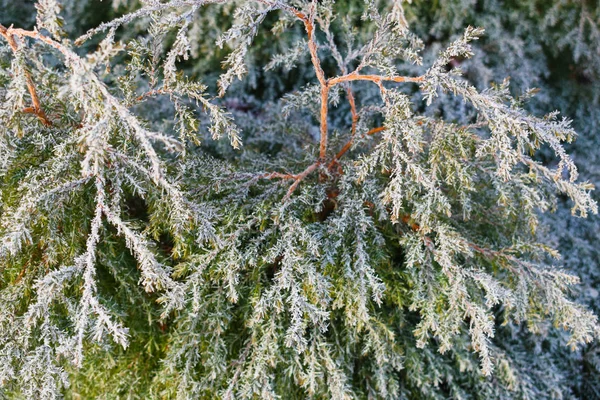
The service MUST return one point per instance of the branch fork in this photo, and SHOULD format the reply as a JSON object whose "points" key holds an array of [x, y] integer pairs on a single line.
{"points": [[326, 85]]}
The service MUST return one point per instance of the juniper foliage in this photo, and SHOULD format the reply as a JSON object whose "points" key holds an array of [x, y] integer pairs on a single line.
{"points": [[348, 209]]}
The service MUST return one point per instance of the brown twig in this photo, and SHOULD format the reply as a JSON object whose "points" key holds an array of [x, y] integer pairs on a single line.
{"points": [[312, 48], [349, 144], [296, 177], [309, 25], [354, 76], [375, 130], [34, 34], [299, 178], [150, 93], [22, 273], [36, 109], [277, 175], [352, 103]]}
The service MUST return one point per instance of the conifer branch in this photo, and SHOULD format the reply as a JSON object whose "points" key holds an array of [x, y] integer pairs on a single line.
{"points": [[422, 254], [36, 109], [355, 76], [297, 178]]}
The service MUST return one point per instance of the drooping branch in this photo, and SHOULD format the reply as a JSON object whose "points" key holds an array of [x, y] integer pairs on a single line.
{"points": [[76, 63], [34, 34], [36, 109]]}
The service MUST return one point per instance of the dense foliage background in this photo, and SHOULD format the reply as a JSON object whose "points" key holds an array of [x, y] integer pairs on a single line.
{"points": [[219, 343]]}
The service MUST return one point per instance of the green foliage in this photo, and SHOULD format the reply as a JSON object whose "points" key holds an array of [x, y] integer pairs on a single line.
{"points": [[357, 205]]}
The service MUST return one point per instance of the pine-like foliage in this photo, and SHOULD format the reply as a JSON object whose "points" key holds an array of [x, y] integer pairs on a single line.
{"points": [[290, 199]]}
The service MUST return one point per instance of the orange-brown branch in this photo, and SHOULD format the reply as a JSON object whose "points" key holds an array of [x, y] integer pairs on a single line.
{"points": [[299, 178], [277, 175], [352, 103], [324, 110], [376, 130], [32, 34], [150, 93], [296, 177], [36, 109], [349, 144], [354, 76], [313, 49], [309, 25]]}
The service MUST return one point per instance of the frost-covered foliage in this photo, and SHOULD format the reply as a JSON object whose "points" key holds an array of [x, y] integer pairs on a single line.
{"points": [[294, 199]]}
